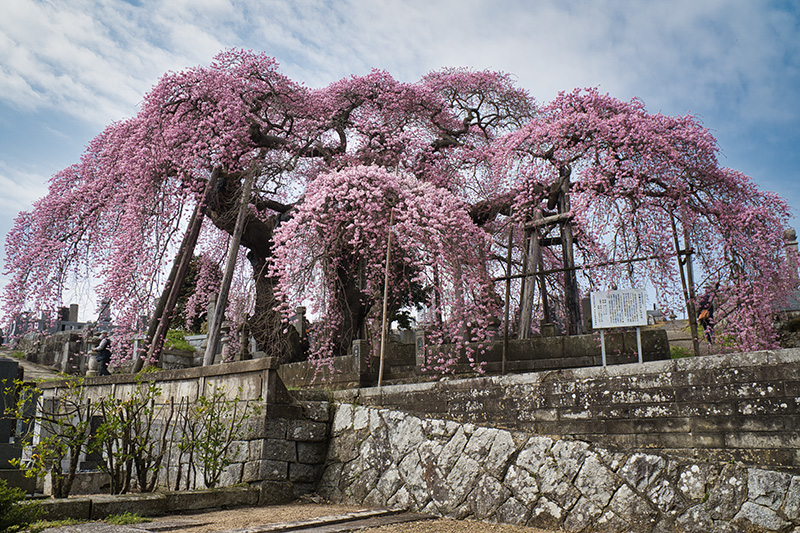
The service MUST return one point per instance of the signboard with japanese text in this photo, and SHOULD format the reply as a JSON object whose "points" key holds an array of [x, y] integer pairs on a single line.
{"points": [[619, 309]]}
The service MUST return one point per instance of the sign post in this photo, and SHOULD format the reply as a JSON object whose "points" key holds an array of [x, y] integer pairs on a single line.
{"points": [[619, 309]]}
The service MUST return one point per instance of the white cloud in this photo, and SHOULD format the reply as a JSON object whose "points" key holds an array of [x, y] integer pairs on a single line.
{"points": [[20, 189], [94, 59], [98, 58]]}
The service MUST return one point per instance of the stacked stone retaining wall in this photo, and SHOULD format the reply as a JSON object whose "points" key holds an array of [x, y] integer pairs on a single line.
{"points": [[737, 407], [385, 457]]}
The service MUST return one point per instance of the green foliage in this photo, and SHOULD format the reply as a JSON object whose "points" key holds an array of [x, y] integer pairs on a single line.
{"points": [[132, 439], [17, 354], [211, 425], [679, 352], [16, 514], [41, 525], [176, 340], [64, 424], [403, 318], [125, 519]]}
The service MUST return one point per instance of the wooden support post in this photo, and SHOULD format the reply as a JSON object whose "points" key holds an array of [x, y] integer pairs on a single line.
{"points": [[528, 285], [384, 325], [583, 267], [571, 297], [532, 264], [159, 324], [687, 282], [692, 296], [546, 318], [233, 252], [508, 297], [544, 221]]}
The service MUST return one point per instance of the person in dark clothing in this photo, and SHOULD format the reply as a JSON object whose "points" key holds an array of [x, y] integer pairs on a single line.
{"points": [[103, 355], [705, 316]]}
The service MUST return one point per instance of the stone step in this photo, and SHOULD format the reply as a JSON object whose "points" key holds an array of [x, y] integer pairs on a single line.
{"points": [[366, 523], [173, 524], [338, 523]]}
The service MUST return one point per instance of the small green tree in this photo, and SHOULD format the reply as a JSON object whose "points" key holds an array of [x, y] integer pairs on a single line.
{"points": [[215, 423], [132, 438], [58, 430], [112, 441], [16, 514], [152, 425], [189, 430], [176, 339]]}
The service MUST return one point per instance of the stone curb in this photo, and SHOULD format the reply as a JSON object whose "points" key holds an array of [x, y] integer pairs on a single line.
{"points": [[318, 521], [152, 504]]}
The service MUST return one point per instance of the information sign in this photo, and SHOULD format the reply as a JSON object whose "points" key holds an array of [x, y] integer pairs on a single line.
{"points": [[619, 309]]}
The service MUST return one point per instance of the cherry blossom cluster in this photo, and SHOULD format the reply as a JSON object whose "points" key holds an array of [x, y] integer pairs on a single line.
{"points": [[347, 217], [642, 182]]}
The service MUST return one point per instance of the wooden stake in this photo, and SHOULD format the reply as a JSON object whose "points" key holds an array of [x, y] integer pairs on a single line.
{"points": [[215, 324], [571, 296], [159, 324], [687, 284], [385, 296], [508, 296], [532, 254]]}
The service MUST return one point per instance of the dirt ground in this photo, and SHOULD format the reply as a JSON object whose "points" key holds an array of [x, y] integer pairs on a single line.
{"points": [[244, 517]]}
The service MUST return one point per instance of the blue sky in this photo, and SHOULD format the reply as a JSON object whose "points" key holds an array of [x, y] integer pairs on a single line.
{"points": [[68, 68]]}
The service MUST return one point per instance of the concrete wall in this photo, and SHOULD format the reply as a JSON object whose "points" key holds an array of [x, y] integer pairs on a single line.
{"points": [[739, 407], [385, 457]]}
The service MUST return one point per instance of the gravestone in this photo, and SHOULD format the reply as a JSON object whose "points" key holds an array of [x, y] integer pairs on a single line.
{"points": [[361, 360], [790, 238], [94, 458], [419, 348], [28, 400], [9, 370], [300, 323]]}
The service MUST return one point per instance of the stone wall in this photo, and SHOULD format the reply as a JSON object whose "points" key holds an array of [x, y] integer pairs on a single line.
{"points": [[384, 457], [405, 363], [738, 407], [282, 450]]}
